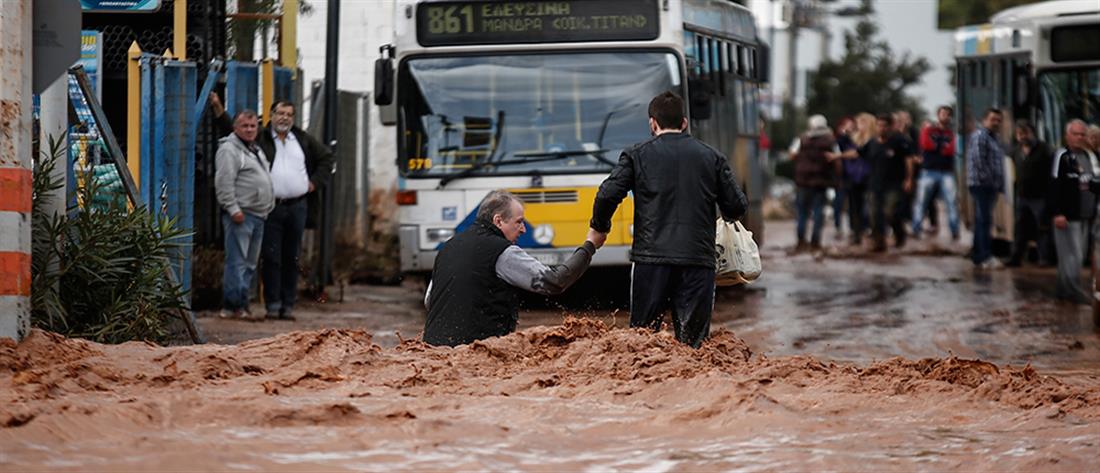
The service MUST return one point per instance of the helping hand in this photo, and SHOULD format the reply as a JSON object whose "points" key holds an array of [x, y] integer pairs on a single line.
{"points": [[597, 238]]}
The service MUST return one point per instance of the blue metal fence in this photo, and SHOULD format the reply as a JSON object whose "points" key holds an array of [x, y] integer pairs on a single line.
{"points": [[242, 87]]}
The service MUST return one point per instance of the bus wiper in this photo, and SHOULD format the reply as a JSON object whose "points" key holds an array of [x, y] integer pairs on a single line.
{"points": [[532, 158], [480, 164], [595, 153]]}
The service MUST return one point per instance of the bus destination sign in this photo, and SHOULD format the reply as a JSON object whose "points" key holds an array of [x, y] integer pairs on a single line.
{"points": [[454, 23]]}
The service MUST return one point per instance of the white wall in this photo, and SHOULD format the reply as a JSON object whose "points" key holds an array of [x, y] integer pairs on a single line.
{"points": [[364, 26]]}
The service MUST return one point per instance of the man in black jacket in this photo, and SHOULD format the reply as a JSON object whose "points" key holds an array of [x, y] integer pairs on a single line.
{"points": [[1033, 165], [473, 291], [677, 181], [890, 156], [1072, 202], [299, 166]]}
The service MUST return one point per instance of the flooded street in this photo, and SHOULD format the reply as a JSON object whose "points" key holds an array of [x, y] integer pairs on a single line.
{"points": [[838, 362]]}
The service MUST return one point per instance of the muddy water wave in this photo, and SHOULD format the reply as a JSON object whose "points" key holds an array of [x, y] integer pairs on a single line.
{"points": [[579, 395]]}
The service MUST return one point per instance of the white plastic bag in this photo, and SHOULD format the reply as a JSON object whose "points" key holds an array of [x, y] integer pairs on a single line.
{"points": [[738, 256]]}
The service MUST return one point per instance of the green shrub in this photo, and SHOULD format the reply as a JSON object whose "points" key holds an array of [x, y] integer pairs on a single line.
{"points": [[99, 272]]}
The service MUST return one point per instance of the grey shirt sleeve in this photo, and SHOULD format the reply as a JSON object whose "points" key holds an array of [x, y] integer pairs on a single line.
{"points": [[522, 270], [228, 164]]}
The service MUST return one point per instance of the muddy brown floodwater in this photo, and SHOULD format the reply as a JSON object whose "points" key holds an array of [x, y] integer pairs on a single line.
{"points": [[904, 362]]}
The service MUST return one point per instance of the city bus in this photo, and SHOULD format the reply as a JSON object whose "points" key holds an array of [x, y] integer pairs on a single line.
{"points": [[1040, 62], [540, 97]]}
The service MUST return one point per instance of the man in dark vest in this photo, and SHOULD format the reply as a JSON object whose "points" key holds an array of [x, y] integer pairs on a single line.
{"points": [[474, 290]]}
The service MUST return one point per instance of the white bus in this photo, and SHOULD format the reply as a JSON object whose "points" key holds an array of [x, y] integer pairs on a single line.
{"points": [[540, 97], [1040, 62]]}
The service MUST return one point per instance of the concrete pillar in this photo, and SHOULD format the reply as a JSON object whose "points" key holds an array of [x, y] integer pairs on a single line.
{"points": [[15, 168]]}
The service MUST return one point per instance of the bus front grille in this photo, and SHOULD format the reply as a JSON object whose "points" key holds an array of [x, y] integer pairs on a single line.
{"points": [[548, 197]]}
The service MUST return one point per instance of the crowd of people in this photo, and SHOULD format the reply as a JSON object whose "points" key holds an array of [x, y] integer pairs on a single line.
{"points": [[890, 175]]}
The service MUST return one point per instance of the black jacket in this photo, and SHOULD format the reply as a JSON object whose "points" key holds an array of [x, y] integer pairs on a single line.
{"points": [[1072, 192], [468, 301], [677, 180], [1033, 170]]}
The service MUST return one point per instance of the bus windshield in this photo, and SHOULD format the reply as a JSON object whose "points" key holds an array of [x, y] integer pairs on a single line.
{"points": [[1066, 95], [552, 113]]}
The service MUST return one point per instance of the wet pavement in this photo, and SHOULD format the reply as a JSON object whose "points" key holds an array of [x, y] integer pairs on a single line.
{"points": [[842, 304]]}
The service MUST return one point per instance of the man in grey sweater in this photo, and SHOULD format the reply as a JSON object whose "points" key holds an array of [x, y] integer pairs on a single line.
{"points": [[242, 183]]}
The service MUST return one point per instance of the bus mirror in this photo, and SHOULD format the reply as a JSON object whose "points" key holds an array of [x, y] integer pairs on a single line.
{"points": [[383, 76], [700, 92]]}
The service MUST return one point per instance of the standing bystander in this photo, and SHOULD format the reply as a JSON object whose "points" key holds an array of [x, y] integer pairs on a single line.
{"points": [[857, 168], [1094, 138], [1033, 160], [242, 183], [813, 174], [1072, 202], [889, 156], [985, 179], [937, 163], [299, 166]]}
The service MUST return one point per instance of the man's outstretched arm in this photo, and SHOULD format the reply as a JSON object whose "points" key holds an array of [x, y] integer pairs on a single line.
{"points": [[612, 192], [732, 203], [522, 270]]}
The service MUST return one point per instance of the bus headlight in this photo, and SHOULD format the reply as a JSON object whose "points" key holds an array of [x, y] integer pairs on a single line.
{"points": [[632, 230], [436, 235], [544, 234]]}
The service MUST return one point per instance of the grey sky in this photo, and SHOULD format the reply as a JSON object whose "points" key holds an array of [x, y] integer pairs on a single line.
{"points": [[907, 25]]}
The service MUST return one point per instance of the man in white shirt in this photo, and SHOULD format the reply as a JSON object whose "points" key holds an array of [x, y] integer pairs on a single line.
{"points": [[299, 166]]}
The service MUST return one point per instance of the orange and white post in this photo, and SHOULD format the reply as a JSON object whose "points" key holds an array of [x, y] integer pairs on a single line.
{"points": [[15, 168]]}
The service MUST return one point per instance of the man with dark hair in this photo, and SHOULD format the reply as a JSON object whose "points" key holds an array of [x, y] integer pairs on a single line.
{"points": [[1072, 202], [937, 171], [473, 293], [677, 182], [891, 170], [985, 177], [1033, 160], [242, 182], [299, 166]]}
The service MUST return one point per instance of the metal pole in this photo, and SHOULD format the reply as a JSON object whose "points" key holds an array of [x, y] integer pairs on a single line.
{"points": [[15, 169], [792, 50], [332, 48]]}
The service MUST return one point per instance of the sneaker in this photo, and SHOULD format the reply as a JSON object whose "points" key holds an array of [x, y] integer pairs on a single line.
{"points": [[992, 264], [245, 314], [226, 314]]}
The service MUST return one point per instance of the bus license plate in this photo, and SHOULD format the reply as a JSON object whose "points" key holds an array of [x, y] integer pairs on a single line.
{"points": [[548, 259]]}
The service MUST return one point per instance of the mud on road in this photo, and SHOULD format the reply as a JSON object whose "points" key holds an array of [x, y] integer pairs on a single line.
{"points": [[802, 372], [575, 396]]}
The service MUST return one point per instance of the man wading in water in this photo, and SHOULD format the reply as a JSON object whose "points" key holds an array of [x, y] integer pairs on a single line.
{"points": [[677, 181], [473, 292]]}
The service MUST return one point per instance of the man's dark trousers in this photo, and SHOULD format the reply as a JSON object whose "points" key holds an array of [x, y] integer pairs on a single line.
{"points": [[687, 290], [282, 244]]}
